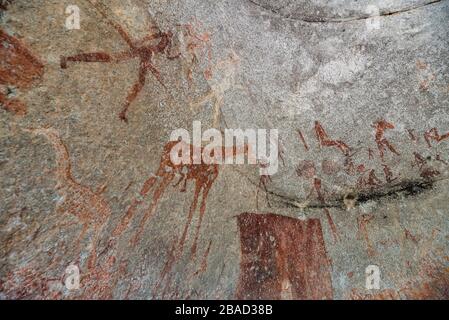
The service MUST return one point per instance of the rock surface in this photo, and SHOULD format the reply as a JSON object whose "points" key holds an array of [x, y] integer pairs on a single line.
{"points": [[359, 91]]}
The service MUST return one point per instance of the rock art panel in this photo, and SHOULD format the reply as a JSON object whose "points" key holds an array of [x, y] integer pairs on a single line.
{"points": [[19, 69], [282, 258]]}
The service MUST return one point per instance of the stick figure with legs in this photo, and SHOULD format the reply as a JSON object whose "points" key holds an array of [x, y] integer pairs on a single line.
{"points": [[144, 49]]}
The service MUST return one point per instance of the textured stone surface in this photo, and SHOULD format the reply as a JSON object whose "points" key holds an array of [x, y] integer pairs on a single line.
{"points": [[361, 104]]}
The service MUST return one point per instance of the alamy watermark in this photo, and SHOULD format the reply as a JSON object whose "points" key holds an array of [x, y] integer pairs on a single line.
{"points": [[72, 280], [257, 146], [72, 22]]}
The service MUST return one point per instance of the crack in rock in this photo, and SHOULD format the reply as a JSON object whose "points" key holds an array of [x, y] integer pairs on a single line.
{"points": [[406, 188], [315, 19]]}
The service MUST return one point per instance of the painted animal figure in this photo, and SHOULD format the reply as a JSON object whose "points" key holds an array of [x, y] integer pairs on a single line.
{"points": [[382, 142], [78, 200], [433, 134], [203, 175], [228, 68], [325, 141]]}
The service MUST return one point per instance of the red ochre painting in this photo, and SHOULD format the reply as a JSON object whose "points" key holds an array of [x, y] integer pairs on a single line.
{"points": [[88, 112], [282, 258]]}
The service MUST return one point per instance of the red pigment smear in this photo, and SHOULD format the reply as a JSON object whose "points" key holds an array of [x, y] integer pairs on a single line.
{"points": [[325, 141], [426, 171], [98, 283], [133, 288], [382, 142], [281, 154], [429, 173], [18, 68], [305, 169], [282, 258], [362, 222], [419, 160], [28, 283], [332, 225], [421, 65], [317, 187], [350, 167], [370, 154], [301, 136], [410, 236], [171, 259], [433, 134], [203, 175]]}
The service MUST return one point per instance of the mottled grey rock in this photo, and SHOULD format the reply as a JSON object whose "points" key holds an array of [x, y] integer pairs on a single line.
{"points": [[359, 91]]}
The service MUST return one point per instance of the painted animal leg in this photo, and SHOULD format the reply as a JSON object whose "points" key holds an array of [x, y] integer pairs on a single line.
{"points": [[167, 267], [200, 220], [183, 179], [138, 86], [149, 213], [132, 208], [189, 220], [389, 146]]}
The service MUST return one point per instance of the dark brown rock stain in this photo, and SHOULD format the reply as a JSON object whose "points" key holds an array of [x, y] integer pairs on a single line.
{"points": [[282, 258]]}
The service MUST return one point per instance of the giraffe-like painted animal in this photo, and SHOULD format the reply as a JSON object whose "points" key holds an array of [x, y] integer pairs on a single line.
{"points": [[78, 200]]}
